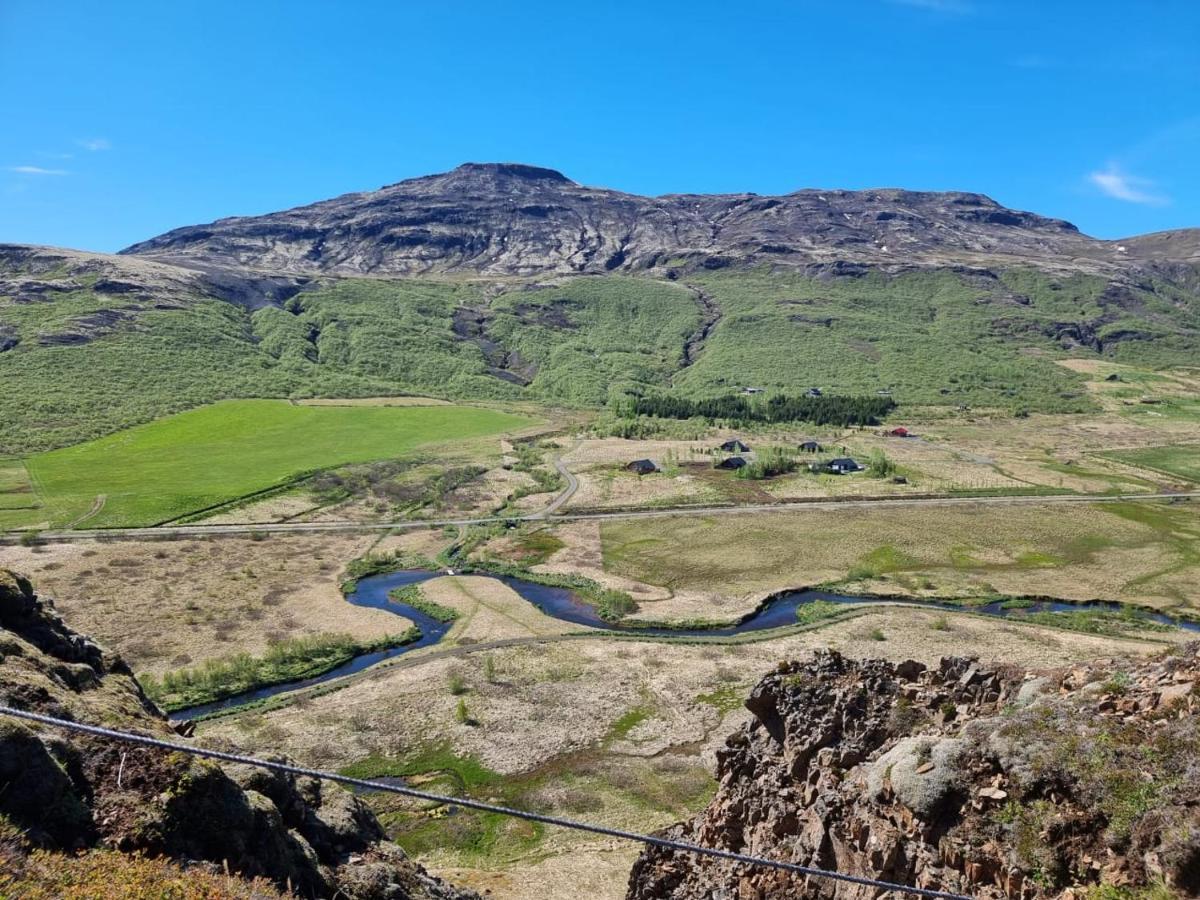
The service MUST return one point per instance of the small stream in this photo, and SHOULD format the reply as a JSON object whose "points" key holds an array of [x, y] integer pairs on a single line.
{"points": [[561, 603]]}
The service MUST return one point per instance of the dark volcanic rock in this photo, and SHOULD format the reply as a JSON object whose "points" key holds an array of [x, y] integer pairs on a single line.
{"points": [[522, 220], [988, 782]]}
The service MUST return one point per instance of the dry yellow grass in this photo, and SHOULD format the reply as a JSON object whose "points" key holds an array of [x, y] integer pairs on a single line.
{"points": [[167, 604], [1077, 552], [489, 610], [560, 701]]}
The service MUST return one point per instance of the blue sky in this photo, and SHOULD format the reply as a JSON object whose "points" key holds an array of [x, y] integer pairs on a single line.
{"points": [[125, 119]]}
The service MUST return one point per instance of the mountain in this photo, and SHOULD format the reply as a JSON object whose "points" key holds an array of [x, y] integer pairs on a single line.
{"points": [[993, 783], [507, 282], [509, 219], [62, 793]]}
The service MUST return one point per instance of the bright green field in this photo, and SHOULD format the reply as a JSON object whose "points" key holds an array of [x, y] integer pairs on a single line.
{"points": [[1182, 460], [173, 466], [15, 490]]}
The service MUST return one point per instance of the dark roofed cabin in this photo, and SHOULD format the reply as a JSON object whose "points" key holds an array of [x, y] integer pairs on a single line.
{"points": [[642, 466], [843, 464], [734, 446], [733, 462], [810, 447]]}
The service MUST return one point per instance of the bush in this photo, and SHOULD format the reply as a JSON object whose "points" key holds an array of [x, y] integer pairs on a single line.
{"points": [[772, 461], [879, 465], [462, 715]]}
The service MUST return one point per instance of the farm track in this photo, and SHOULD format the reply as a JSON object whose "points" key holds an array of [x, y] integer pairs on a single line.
{"points": [[284, 528], [566, 494]]}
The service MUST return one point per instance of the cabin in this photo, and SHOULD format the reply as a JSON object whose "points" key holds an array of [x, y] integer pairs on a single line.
{"points": [[732, 462], [842, 465], [810, 447], [900, 432], [642, 466], [735, 446]]}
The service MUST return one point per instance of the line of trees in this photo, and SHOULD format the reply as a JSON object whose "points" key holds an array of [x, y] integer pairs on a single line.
{"points": [[735, 408]]}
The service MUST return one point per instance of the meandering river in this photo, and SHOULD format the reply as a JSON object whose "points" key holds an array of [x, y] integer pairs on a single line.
{"points": [[561, 603]]}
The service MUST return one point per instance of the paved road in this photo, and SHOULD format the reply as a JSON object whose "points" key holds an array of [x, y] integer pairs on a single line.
{"points": [[177, 531]]}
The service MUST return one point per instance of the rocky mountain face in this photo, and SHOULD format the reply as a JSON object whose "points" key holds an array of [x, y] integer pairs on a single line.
{"points": [[993, 783], [68, 792], [509, 219]]}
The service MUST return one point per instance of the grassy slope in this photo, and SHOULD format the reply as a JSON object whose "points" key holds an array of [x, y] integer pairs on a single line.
{"points": [[349, 338], [162, 470], [932, 337]]}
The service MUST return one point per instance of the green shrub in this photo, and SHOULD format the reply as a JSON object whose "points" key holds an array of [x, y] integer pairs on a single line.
{"points": [[770, 462], [879, 465], [462, 715]]}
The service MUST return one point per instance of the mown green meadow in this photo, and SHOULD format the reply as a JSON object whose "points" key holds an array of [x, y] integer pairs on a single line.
{"points": [[198, 459]]}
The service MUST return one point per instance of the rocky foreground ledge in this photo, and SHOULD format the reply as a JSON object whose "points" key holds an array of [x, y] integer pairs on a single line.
{"points": [[63, 792], [990, 782]]}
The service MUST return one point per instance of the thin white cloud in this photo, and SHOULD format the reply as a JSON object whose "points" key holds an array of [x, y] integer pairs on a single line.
{"points": [[1123, 186], [951, 7], [94, 144], [36, 170]]}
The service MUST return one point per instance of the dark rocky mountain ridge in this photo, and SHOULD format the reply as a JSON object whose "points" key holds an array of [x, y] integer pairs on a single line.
{"points": [[517, 220]]}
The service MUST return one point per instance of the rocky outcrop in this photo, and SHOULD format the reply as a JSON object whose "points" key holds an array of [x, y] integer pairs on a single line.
{"points": [[509, 219], [989, 782], [70, 792]]}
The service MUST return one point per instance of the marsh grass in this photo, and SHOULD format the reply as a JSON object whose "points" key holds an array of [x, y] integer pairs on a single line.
{"points": [[292, 659]]}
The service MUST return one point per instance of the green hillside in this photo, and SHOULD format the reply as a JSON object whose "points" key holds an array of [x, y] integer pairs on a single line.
{"points": [[944, 337]]}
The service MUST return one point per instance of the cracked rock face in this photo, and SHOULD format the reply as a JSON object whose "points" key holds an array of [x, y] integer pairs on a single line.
{"points": [[993, 783], [509, 219]]}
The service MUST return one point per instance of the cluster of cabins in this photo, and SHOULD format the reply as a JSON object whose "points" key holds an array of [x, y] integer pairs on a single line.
{"points": [[736, 459]]}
